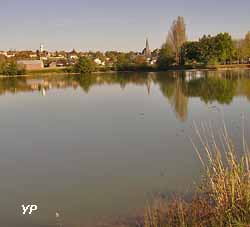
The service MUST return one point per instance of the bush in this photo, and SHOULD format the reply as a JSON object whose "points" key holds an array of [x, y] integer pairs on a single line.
{"points": [[84, 66], [12, 69]]}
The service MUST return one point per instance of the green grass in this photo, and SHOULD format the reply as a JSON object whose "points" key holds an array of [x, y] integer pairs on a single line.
{"points": [[223, 198], [47, 70]]}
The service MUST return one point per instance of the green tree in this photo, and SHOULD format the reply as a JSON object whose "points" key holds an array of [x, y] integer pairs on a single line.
{"points": [[123, 61], [166, 56], [84, 65], [191, 52], [210, 50], [12, 68], [224, 47], [2, 63]]}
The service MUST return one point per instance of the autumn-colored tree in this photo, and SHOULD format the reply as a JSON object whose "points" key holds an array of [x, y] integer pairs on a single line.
{"points": [[140, 60], [177, 37], [246, 47]]}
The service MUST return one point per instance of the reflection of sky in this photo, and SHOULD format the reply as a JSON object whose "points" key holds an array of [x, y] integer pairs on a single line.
{"points": [[100, 153], [113, 24]]}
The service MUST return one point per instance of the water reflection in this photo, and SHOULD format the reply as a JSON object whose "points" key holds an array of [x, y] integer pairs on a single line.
{"points": [[102, 138], [177, 87]]}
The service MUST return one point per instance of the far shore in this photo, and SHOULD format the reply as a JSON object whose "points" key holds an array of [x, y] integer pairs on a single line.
{"points": [[61, 71]]}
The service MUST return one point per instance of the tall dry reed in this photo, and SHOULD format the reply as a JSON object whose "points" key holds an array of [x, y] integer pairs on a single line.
{"points": [[223, 199]]}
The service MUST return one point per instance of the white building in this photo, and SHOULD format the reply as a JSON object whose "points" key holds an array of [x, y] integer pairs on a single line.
{"points": [[99, 62], [42, 48]]}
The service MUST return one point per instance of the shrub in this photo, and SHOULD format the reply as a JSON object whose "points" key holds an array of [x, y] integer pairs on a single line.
{"points": [[84, 66], [12, 69]]}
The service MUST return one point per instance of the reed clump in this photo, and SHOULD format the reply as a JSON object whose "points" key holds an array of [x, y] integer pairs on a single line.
{"points": [[223, 199]]}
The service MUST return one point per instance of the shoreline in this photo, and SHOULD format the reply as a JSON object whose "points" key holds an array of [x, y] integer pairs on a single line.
{"points": [[182, 68]]}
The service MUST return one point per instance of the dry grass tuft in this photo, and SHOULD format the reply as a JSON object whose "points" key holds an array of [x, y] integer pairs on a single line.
{"points": [[224, 196]]}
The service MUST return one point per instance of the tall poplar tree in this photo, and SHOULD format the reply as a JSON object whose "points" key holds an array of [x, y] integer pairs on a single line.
{"points": [[177, 37]]}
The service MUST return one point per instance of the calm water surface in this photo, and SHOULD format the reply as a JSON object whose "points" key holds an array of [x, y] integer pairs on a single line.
{"points": [[95, 148]]}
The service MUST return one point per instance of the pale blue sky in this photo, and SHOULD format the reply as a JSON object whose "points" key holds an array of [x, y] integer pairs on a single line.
{"points": [[113, 24]]}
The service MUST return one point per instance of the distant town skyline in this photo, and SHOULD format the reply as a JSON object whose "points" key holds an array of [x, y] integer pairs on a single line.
{"points": [[112, 24]]}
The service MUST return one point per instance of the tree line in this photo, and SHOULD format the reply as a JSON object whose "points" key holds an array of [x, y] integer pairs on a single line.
{"points": [[208, 50], [176, 51]]}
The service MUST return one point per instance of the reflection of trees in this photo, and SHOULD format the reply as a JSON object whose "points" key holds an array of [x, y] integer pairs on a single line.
{"points": [[244, 88], [123, 79], [171, 86], [86, 81], [211, 89], [177, 87], [13, 85], [179, 101]]}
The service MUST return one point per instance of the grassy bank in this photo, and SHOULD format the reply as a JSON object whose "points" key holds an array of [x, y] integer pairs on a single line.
{"points": [[67, 70], [222, 200], [47, 71], [144, 68]]}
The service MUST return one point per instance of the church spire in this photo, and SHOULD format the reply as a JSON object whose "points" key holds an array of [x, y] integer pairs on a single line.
{"points": [[146, 51], [147, 44]]}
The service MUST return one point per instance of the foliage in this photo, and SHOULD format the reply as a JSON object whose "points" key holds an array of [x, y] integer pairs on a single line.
{"points": [[3, 63], [99, 55], [140, 60], [11, 68], [166, 56], [123, 61], [191, 52], [245, 48], [209, 50], [224, 196], [84, 65], [177, 37]]}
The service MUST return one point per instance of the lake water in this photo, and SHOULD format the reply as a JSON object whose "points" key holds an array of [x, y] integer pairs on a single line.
{"points": [[97, 148]]}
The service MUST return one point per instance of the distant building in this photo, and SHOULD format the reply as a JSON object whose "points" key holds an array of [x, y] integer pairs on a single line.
{"points": [[9, 54], [31, 64], [153, 61], [73, 55], [99, 62], [146, 51], [42, 48]]}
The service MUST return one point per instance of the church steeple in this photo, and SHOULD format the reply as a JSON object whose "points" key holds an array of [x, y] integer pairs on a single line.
{"points": [[147, 45], [147, 52]]}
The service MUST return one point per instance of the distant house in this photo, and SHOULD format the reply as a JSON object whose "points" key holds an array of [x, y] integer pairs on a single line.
{"points": [[73, 55], [99, 62], [31, 64], [9, 54]]}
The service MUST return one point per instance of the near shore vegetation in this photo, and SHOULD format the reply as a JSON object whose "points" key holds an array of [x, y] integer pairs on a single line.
{"points": [[223, 199], [10, 67]]}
